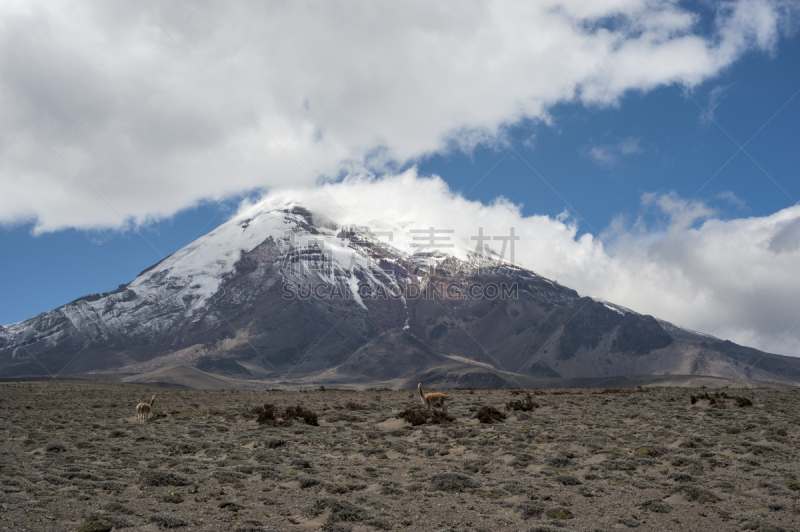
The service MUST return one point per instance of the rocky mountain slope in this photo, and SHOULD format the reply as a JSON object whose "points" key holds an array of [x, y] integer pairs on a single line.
{"points": [[280, 295]]}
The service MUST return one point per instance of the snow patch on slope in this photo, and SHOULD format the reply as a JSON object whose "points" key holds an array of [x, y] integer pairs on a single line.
{"points": [[198, 269]]}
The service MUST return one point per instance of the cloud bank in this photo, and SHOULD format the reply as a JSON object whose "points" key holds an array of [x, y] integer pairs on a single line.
{"points": [[735, 279], [116, 113]]}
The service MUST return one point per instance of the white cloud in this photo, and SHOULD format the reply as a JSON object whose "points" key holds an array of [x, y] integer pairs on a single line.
{"points": [[629, 146], [205, 116], [715, 97], [733, 199], [735, 279], [602, 155], [610, 154]]}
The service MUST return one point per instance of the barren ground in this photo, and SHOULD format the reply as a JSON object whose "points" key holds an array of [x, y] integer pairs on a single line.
{"points": [[72, 453]]}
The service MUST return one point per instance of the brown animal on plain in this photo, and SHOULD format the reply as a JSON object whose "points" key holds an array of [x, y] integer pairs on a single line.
{"points": [[429, 399], [143, 410]]}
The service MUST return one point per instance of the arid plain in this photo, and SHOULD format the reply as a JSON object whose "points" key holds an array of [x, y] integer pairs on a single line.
{"points": [[73, 457]]}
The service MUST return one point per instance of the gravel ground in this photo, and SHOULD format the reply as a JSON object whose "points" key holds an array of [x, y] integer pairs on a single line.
{"points": [[73, 457]]}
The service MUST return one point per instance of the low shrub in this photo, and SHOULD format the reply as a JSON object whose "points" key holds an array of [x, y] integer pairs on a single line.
{"points": [[568, 480], [274, 443], [439, 417], [656, 506], [343, 416], [381, 523], [415, 416], [525, 405], [629, 521], [489, 414], [251, 526], [98, 525], [155, 415], [298, 412], [350, 405], [118, 521], [168, 520], [228, 476], [230, 506], [118, 508], [454, 481], [742, 401], [680, 476], [559, 512], [558, 460], [157, 477], [56, 448], [341, 510], [530, 509], [269, 415], [718, 399], [419, 416], [694, 493], [265, 413]]}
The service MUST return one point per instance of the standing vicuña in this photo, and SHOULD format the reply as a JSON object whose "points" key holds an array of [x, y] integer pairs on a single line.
{"points": [[143, 410], [429, 399]]}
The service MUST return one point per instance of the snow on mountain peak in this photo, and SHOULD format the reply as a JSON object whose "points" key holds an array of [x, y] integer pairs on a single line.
{"points": [[198, 269], [195, 273], [419, 232]]}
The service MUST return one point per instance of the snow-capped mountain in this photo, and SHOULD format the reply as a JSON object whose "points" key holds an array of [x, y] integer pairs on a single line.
{"points": [[281, 294]]}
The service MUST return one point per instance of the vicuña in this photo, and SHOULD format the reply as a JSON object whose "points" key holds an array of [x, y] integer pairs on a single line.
{"points": [[429, 399], [143, 410]]}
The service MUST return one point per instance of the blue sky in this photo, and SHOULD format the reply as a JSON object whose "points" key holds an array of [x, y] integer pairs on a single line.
{"points": [[593, 157], [673, 149]]}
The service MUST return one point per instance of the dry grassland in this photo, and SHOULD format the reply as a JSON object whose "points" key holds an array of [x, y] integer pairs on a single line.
{"points": [[72, 457]]}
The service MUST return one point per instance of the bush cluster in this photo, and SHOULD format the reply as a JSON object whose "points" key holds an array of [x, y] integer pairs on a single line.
{"points": [[265, 413], [526, 405], [341, 510], [638, 389], [718, 398], [489, 414], [168, 520], [269, 415], [415, 416], [439, 417], [298, 412], [157, 477], [419, 416], [454, 481]]}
